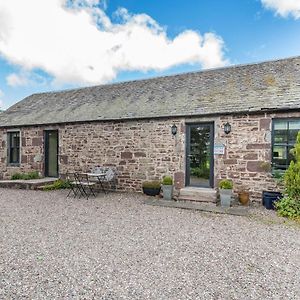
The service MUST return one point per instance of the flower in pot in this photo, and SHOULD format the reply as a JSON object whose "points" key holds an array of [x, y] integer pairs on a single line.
{"points": [[151, 188], [167, 185], [244, 195], [225, 189]]}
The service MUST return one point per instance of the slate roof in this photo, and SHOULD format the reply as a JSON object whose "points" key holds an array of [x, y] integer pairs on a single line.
{"points": [[273, 85]]}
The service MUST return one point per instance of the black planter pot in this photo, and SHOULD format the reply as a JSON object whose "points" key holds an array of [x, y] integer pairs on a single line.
{"points": [[151, 191], [269, 198]]}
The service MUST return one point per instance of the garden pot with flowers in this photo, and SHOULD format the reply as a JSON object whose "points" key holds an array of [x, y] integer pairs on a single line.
{"points": [[225, 190]]}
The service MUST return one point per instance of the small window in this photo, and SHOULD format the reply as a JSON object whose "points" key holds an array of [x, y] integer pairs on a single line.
{"points": [[284, 138], [13, 147]]}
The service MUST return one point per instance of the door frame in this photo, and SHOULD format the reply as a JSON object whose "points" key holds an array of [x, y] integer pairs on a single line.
{"points": [[46, 151], [187, 152]]}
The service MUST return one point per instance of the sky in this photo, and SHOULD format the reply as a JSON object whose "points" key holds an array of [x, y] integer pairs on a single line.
{"points": [[61, 44]]}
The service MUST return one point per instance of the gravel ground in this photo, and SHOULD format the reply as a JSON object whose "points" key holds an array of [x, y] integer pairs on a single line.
{"points": [[116, 247]]}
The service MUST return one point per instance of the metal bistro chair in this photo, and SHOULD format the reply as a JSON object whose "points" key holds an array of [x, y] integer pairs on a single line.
{"points": [[86, 186], [74, 184], [110, 175]]}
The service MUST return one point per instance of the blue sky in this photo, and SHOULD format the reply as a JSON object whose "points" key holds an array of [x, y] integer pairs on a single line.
{"points": [[66, 44]]}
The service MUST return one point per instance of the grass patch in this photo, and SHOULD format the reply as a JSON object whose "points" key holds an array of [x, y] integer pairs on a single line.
{"points": [[57, 185]]}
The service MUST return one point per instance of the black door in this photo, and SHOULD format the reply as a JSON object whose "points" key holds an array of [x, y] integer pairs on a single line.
{"points": [[199, 155], [51, 153]]}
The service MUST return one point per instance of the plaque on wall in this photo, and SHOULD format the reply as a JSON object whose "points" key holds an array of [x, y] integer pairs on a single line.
{"points": [[219, 149]]}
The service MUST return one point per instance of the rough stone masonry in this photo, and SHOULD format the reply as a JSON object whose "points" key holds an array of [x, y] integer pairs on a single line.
{"points": [[145, 150]]}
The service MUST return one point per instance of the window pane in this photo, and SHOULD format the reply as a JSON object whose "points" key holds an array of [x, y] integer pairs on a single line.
{"points": [[280, 136], [294, 125], [285, 133], [281, 132], [15, 141], [15, 155], [14, 147], [293, 136], [280, 157], [279, 152], [280, 125]]}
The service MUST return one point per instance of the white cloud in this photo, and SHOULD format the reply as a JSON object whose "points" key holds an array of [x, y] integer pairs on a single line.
{"points": [[284, 8], [16, 79], [25, 78], [80, 44]]}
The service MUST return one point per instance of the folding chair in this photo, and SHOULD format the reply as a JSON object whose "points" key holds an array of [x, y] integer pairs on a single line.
{"points": [[74, 184], [110, 177], [86, 186]]}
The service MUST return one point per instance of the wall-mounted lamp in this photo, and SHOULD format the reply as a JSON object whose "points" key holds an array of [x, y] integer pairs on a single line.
{"points": [[227, 128], [174, 130]]}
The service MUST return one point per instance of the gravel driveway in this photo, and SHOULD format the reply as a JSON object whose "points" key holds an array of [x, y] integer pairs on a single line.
{"points": [[116, 247]]}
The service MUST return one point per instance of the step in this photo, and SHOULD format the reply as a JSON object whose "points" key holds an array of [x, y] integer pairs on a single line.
{"points": [[198, 194], [31, 184], [207, 207]]}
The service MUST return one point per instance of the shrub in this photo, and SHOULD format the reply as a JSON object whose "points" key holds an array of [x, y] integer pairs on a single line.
{"points": [[225, 184], [16, 176], [292, 180], [33, 175], [154, 184], [57, 185], [288, 207], [167, 180], [292, 174], [26, 176]]}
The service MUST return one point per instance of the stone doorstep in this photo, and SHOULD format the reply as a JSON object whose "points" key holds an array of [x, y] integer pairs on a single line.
{"points": [[32, 184], [207, 207], [198, 194]]}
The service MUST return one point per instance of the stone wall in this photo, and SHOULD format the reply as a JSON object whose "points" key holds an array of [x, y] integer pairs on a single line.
{"points": [[145, 149], [141, 150], [32, 151], [248, 151]]}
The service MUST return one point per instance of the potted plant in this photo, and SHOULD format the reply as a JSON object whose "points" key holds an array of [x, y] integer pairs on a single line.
{"points": [[151, 188], [225, 189], [244, 195], [167, 186]]}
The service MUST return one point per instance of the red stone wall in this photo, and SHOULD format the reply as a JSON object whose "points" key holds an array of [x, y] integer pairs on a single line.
{"points": [[141, 150], [145, 149], [248, 148]]}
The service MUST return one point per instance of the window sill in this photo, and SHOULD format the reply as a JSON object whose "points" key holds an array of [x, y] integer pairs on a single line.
{"points": [[14, 165]]}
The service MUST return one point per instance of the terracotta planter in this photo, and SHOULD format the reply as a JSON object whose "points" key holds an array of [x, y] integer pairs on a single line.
{"points": [[244, 198]]}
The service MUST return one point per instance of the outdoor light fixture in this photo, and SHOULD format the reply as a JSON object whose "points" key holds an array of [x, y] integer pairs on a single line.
{"points": [[174, 129], [227, 128]]}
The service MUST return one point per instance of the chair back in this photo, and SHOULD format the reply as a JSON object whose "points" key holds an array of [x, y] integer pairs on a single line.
{"points": [[110, 174], [82, 178], [97, 170], [71, 177]]}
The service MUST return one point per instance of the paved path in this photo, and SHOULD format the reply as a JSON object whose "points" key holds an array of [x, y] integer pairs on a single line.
{"points": [[116, 247]]}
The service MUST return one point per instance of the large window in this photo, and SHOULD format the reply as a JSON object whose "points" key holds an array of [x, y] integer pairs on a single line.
{"points": [[284, 138], [13, 147]]}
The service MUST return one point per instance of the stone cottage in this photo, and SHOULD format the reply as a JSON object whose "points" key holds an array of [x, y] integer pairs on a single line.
{"points": [[237, 122]]}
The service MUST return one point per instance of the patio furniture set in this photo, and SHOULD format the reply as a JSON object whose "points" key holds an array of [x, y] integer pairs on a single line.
{"points": [[85, 184]]}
